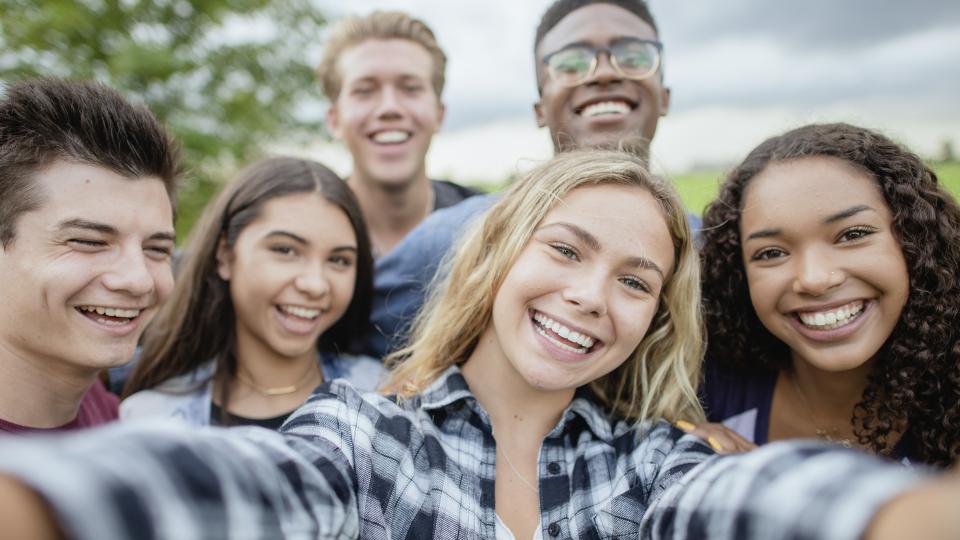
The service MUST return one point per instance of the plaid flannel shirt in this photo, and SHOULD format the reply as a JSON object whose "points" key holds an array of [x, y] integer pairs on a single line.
{"points": [[352, 465]]}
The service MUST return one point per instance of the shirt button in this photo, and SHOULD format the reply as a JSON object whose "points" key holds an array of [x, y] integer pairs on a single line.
{"points": [[553, 529], [553, 467]]}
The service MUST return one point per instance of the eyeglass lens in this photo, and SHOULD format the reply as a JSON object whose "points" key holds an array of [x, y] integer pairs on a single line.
{"points": [[633, 59]]}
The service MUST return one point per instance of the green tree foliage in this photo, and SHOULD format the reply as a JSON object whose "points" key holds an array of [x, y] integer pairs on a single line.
{"points": [[225, 75]]}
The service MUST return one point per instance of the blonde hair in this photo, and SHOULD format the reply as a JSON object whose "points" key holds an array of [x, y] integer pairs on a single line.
{"points": [[658, 380], [356, 29]]}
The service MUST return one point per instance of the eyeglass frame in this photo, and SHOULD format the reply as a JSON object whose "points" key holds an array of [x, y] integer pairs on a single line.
{"points": [[595, 62]]}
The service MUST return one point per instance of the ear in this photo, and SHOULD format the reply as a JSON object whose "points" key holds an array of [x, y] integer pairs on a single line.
{"points": [[538, 114], [224, 260], [333, 120], [664, 101], [441, 113]]}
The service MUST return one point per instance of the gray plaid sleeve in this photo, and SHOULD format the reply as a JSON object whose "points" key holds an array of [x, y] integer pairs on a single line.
{"points": [[790, 490], [130, 481]]}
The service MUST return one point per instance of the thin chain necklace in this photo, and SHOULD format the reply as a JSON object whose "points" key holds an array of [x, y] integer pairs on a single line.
{"points": [[514, 469], [279, 390], [821, 432]]}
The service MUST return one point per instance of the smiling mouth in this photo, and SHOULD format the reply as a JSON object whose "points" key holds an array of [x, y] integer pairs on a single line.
{"points": [[562, 336], [109, 316], [833, 318], [610, 107], [299, 312], [393, 136]]}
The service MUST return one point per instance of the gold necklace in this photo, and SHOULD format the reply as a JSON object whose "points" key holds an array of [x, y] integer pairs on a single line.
{"points": [[822, 433], [279, 390], [514, 468]]}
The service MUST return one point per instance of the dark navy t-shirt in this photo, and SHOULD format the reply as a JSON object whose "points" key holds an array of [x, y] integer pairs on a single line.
{"points": [[742, 402]]}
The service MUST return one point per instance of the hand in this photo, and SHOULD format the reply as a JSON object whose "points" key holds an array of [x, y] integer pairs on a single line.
{"points": [[928, 511], [24, 514], [721, 438]]}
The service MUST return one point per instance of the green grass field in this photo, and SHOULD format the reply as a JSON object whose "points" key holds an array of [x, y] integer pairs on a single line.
{"points": [[699, 188]]}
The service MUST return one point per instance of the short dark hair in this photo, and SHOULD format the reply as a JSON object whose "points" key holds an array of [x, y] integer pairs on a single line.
{"points": [[561, 8], [45, 120]]}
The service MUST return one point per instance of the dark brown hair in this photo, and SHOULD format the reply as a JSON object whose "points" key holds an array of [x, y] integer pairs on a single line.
{"points": [[915, 383], [46, 120], [197, 323]]}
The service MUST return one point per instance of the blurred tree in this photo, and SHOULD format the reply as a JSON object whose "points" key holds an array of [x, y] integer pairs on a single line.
{"points": [[225, 75]]}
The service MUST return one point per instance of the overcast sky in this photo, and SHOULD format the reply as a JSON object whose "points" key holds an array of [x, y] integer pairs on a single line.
{"points": [[740, 70]]}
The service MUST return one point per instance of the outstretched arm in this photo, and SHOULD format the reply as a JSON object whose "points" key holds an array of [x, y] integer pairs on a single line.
{"points": [[172, 482], [796, 490]]}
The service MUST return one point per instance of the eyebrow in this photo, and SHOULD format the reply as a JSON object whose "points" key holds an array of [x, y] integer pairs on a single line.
{"points": [[832, 218], [849, 212], [103, 228], [301, 240], [594, 244]]}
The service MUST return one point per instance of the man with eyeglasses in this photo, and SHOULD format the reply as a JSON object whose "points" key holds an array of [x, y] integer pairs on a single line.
{"points": [[599, 69]]}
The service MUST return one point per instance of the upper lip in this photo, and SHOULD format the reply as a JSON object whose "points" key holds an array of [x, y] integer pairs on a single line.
{"points": [[571, 326], [105, 306], [826, 306], [601, 98]]}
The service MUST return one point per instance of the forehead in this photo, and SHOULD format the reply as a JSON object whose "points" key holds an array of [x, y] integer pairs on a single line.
{"points": [[808, 189], [308, 215], [72, 190], [384, 58], [596, 24], [627, 220]]}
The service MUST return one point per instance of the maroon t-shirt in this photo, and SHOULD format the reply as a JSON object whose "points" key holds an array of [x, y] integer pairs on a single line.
{"points": [[97, 407]]}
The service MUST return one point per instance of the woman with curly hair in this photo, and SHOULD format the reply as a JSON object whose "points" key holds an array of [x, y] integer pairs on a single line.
{"points": [[831, 300]]}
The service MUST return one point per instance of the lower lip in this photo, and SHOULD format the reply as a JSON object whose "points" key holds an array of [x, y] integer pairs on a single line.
{"points": [[296, 325], [558, 352], [392, 149], [836, 334], [116, 330]]}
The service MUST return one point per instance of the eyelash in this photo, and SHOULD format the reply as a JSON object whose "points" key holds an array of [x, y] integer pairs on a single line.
{"points": [[640, 284], [340, 260], [566, 251], [763, 254], [283, 250], [85, 242], [862, 230]]}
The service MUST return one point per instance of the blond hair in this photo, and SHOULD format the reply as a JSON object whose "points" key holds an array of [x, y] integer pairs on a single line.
{"points": [[356, 29], [657, 381]]}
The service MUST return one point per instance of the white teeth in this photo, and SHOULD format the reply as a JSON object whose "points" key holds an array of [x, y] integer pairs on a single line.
{"points": [[605, 107], [391, 137], [302, 312], [549, 324], [834, 318], [111, 312]]}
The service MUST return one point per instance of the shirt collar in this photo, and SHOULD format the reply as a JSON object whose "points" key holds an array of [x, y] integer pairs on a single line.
{"points": [[450, 388]]}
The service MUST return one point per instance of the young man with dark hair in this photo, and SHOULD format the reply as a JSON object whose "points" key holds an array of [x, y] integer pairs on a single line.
{"points": [[599, 69], [384, 74], [87, 187]]}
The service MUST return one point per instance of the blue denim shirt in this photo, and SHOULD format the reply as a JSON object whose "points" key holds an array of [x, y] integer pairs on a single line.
{"points": [[401, 277]]}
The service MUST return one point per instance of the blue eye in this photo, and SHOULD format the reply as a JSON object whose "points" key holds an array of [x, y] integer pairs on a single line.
{"points": [[566, 251], [635, 284]]}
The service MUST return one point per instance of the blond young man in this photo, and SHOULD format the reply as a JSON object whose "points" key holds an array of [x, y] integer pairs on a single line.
{"points": [[384, 74]]}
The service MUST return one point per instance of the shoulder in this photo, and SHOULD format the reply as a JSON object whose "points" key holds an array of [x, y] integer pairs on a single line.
{"points": [[186, 398], [447, 193], [362, 371]]}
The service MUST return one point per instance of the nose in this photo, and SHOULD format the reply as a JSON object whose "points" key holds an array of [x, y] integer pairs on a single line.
{"points": [[312, 281], [389, 104], [604, 72], [131, 273], [816, 274], [588, 295]]}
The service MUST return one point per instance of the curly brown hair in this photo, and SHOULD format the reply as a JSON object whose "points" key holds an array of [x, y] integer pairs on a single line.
{"points": [[915, 383]]}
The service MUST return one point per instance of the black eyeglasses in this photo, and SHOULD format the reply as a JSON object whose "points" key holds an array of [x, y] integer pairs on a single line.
{"points": [[632, 58]]}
